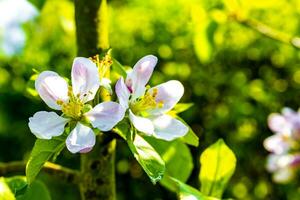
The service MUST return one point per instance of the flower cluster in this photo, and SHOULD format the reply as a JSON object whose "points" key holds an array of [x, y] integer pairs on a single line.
{"points": [[146, 107], [284, 145]]}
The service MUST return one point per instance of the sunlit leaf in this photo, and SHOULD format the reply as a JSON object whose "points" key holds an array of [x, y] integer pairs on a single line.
{"points": [[5, 192], [217, 166], [178, 160], [232, 5], [148, 158], [190, 138], [187, 192], [17, 184], [119, 68], [38, 3], [181, 107], [30, 87], [36, 191], [204, 29], [42, 151], [123, 129]]}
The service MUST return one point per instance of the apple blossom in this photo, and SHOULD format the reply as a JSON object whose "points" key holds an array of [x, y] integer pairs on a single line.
{"points": [[283, 145], [148, 107], [283, 166], [72, 101]]}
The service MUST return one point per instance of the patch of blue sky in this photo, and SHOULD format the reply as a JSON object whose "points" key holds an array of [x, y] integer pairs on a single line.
{"points": [[13, 13]]}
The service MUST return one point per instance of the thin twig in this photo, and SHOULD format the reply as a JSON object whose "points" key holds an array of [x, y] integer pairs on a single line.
{"points": [[267, 31], [58, 171]]}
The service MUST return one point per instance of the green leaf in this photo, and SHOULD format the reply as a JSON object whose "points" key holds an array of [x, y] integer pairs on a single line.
{"points": [[204, 30], [177, 157], [120, 69], [5, 192], [148, 158], [123, 129], [190, 138], [187, 192], [217, 166], [181, 107], [36, 191], [38, 3], [42, 151], [30, 87], [17, 184]]}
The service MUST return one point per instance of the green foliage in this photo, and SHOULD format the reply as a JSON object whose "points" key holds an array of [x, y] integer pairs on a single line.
{"points": [[36, 191], [178, 159], [217, 166], [190, 138], [187, 192], [247, 77], [42, 151], [21, 191], [119, 68], [5, 193], [17, 184], [203, 30], [181, 107], [148, 158], [38, 3]]}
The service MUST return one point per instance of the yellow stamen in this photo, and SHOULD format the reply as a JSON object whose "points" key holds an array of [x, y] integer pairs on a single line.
{"points": [[147, 102], [103, 64], [73, 108]]}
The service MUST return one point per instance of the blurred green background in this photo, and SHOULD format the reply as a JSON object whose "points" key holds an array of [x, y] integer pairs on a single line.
{"points": [[234, 75]]}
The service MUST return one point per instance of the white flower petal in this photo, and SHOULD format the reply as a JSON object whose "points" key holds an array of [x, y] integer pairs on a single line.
{"points": [[142, 124], [279, 124], [106, 115], [169, 93], [81, 139], [122, 93], [51, 88], [140, 75], [85, 78], [277, 162], [45, 125], [277, 144], [168, 128], [293, 118]]}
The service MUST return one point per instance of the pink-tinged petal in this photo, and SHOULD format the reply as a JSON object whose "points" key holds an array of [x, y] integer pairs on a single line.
{"points": [[168, 128], [293, 118], [45, 125], [106, 115], [81, 139], [168, 94], [122, 93], [277, 144], [140, 75], [296, 161], [279, 124], [51, 88], [142, 124], [85, 78]]}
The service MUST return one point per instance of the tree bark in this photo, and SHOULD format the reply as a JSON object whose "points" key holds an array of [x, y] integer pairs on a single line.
{"points": [[98, 171], [91, 27], [97, 166]]}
